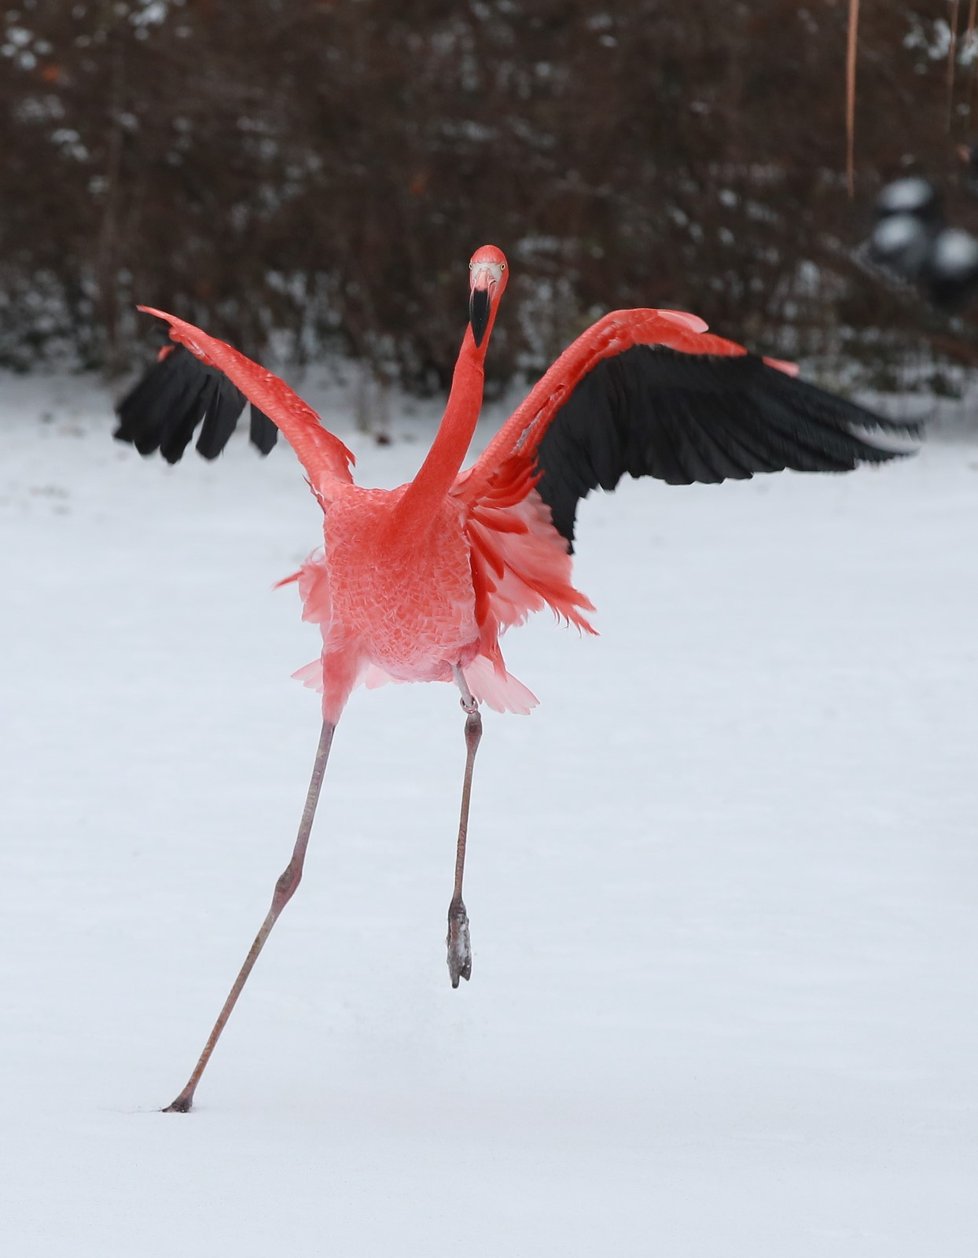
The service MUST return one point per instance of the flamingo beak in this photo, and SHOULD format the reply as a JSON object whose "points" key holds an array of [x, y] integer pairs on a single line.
{"points": [[485, 286], [479, 308]]}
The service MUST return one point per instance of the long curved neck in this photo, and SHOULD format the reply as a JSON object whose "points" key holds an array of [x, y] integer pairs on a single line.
{"points": [[439, 470]]}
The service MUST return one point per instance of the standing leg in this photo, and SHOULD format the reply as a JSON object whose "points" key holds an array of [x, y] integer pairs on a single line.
{"points": [[284, 890], [459, 943]]}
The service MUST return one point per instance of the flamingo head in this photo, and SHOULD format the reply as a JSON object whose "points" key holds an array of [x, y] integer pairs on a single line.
{"points": [[488, 274]]}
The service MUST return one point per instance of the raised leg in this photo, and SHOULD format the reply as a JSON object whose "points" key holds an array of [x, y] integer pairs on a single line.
{"points": [[284, 890], [459, 943]]}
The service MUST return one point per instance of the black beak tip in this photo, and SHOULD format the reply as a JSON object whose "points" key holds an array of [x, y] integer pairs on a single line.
{"points": [[479, 314]]}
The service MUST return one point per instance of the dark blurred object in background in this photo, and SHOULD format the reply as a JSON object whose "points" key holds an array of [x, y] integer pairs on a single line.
{"points": [[913, 241]]}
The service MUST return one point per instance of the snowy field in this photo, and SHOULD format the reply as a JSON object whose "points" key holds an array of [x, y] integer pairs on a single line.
{"points": [[722, 883]]}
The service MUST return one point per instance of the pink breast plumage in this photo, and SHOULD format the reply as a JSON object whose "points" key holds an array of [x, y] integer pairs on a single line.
{"points": [[404, 606], [399, 608]]}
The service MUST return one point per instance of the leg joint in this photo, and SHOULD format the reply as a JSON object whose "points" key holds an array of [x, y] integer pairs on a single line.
{"points": [[288, 880]]}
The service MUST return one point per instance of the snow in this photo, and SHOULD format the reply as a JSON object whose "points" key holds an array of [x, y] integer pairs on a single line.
{"points": [[722, 882], [910, 195], [898, 232], [955, 252]]}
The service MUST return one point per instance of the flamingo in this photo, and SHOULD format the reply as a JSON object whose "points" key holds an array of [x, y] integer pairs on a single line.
{"points": [[419, 583]]}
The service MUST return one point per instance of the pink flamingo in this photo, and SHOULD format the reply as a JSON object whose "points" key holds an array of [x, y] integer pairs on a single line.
{"points": [[418, 583]]}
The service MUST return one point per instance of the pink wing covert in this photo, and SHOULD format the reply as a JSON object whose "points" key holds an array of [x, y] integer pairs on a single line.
{"points": [[324, 457]]}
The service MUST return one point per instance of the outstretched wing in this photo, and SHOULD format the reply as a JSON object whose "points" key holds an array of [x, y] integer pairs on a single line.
{"points": [[164, 407], [651, 393], [324, 457]]}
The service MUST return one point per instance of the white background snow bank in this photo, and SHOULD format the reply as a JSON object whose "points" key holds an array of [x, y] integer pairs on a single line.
{"points": [[722, 883]]}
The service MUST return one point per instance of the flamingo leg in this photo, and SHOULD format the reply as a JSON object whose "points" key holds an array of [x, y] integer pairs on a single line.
{"points": [[284, 890], [459, 943]]}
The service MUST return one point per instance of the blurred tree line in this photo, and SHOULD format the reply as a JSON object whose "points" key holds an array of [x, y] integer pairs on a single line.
{"points": [[318, 172]]}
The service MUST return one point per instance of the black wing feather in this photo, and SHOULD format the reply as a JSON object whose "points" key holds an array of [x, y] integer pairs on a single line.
{"points": [[159, 408], [653, 411], [221, 415], [262, 431], [162, 410]]}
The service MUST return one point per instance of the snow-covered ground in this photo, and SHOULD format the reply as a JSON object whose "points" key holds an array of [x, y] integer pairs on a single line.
{"points": [[722, 883]]}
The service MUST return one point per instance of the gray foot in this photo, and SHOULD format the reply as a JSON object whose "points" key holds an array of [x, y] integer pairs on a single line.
{"points": [[459, 943]]}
